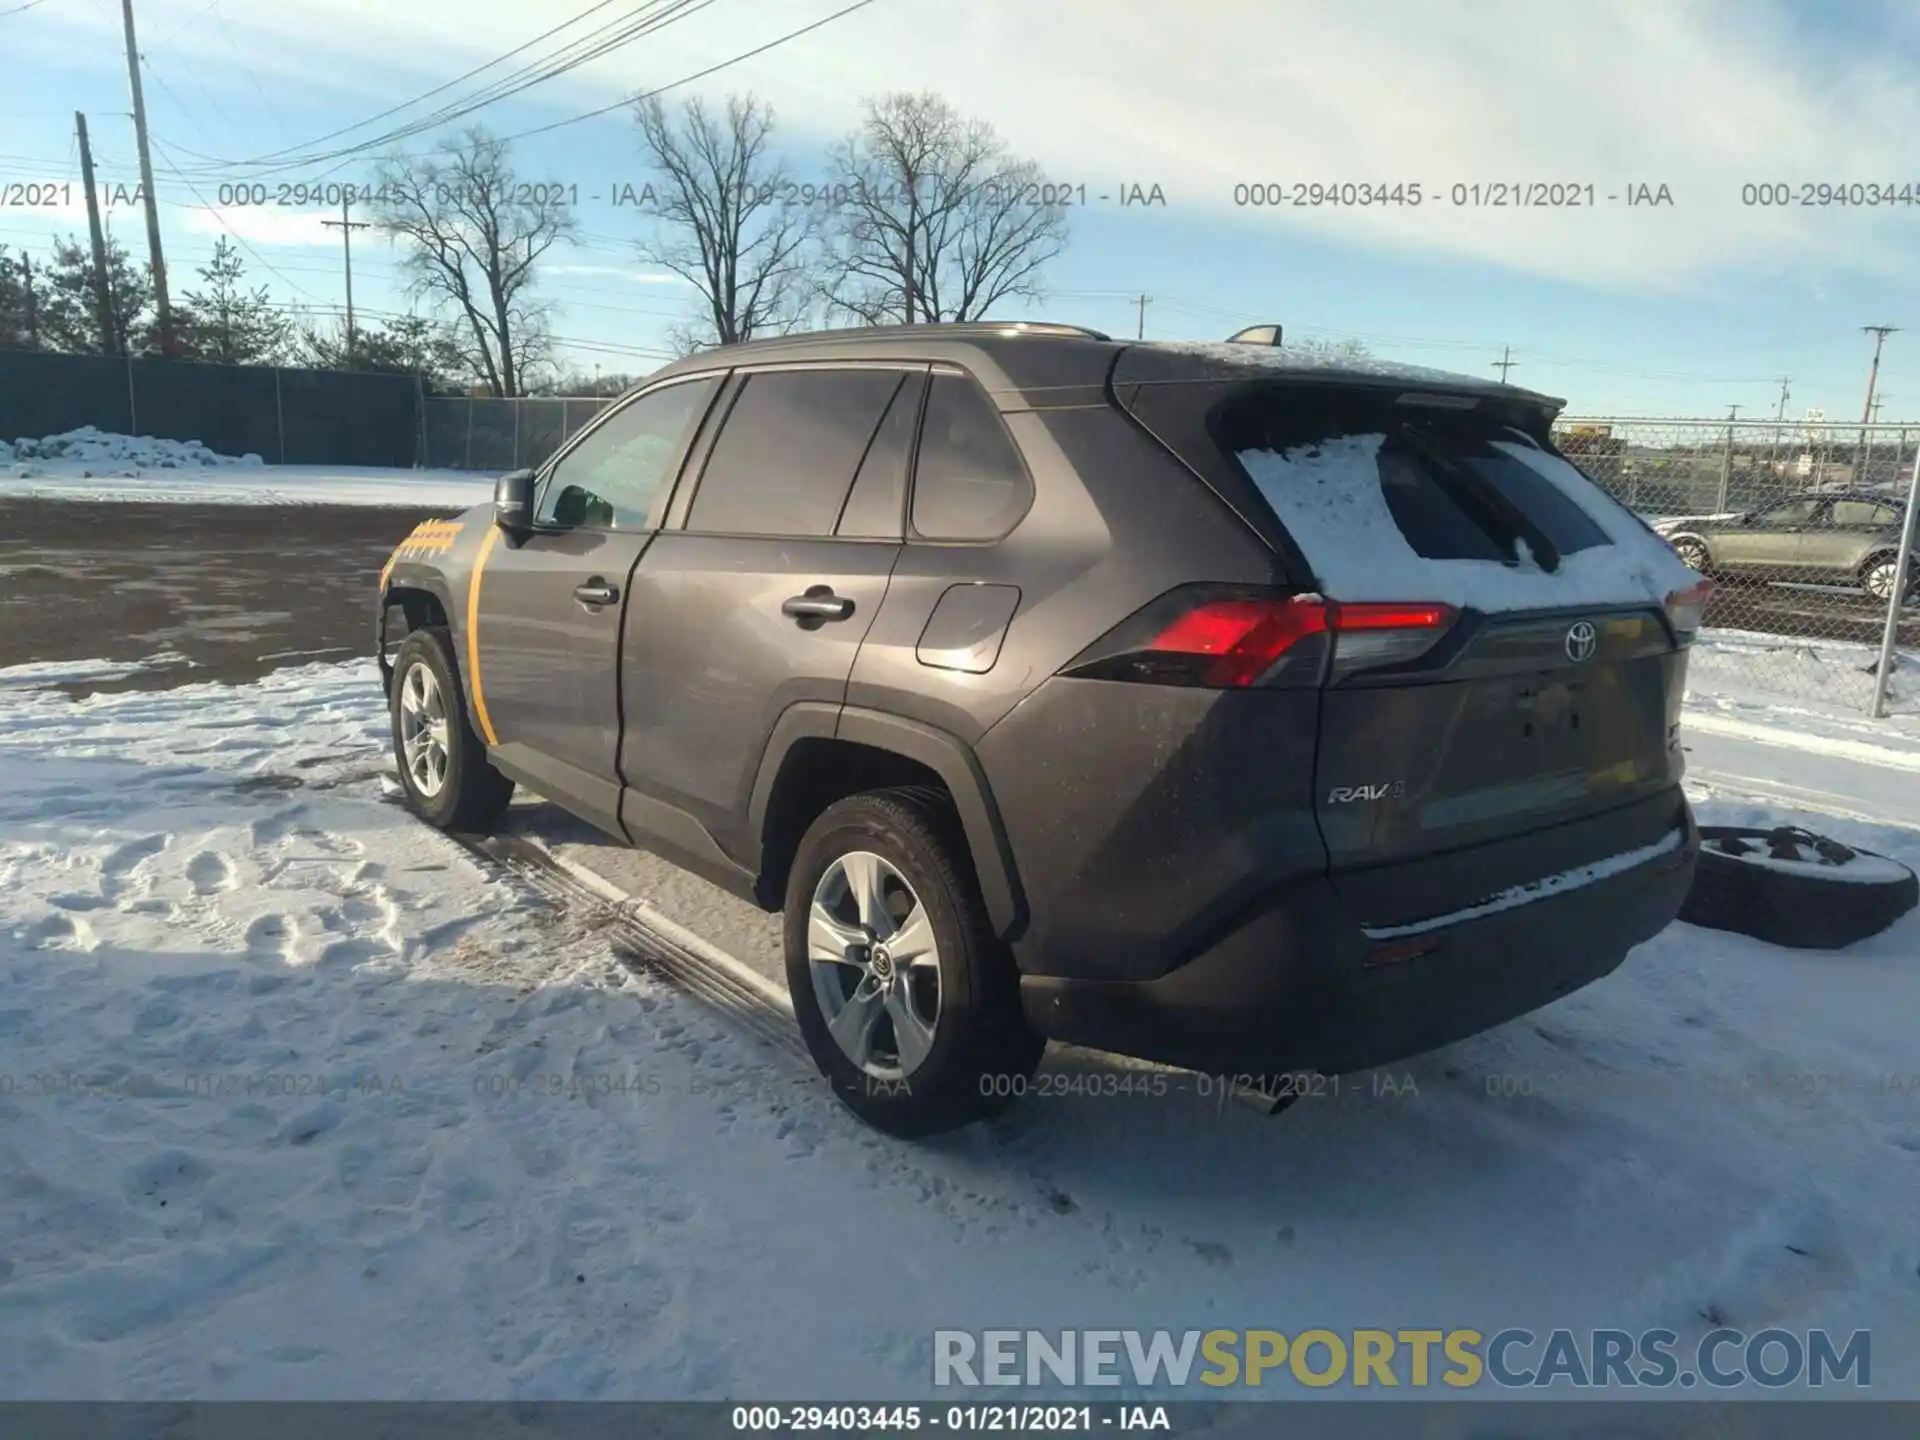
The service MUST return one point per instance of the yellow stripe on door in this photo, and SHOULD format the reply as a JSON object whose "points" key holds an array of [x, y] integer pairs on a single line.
{"points": [[473, 637]]}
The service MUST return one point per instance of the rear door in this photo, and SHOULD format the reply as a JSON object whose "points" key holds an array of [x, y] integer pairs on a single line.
{"points": [[1542, 702], [759, 593], [1846, 534], [1502, 666]]}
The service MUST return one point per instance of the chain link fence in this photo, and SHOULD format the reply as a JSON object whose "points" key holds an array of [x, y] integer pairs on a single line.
{"points": [[286, 416], [1801, 526], [485, 433]]}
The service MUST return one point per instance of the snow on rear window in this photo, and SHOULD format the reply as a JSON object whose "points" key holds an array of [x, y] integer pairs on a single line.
{"points": [[1328, 495]]}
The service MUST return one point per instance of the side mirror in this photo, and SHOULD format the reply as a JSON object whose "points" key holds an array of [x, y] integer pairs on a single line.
{"points": [[513, 502]]}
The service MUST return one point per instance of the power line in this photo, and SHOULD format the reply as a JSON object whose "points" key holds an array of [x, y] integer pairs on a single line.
{"points": [[626, 29], [185, 25], [697, 75], [21, 9], [221, 222], [438, 89]]}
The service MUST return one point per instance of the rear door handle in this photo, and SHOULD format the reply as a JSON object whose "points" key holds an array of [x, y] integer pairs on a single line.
{"points": [[818, 604], [596, 592]]}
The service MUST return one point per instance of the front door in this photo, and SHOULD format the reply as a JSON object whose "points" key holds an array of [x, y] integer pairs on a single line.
{"points": [[543, 651], [1766, 545]]}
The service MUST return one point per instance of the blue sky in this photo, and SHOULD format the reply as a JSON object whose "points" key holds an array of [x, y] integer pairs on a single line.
{"points": [[1679, 309]]}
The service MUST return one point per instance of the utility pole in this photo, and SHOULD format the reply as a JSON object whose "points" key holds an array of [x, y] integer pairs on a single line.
{"points": [[1866, 450], [1505, 363], [33, 308], [1726, 462], [157, 263], [1879, 333], [1140, 329], [347, 226], [102, 294], [1779, 422]]}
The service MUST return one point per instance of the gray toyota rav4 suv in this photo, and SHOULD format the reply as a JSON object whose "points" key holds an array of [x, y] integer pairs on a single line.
{"points": [[1195, 702]]}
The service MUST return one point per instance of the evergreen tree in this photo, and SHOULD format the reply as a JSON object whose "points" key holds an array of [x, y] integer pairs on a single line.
{"points": [[69, 314], [224, 321], [19, 322], [406, 344]]}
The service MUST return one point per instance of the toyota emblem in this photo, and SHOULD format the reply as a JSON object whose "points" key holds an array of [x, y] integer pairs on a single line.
{"points": [[1581, 641]]}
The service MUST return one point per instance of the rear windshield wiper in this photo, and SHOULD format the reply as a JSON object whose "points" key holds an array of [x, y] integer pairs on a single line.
{"points": [[1498, 516]]}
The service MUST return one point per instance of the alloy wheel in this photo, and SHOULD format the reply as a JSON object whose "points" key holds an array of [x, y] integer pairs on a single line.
{"points": [[424, 740], [1880, 578], [875, 965]]}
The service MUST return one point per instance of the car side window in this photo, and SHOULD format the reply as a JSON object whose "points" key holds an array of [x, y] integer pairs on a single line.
{"points": [[610, 480], [788, 450], [876, 505], [1788, 513], [1862, 514], [969, 482]]}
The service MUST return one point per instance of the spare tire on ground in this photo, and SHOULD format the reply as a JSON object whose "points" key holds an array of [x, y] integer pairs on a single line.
{"points": [[1792, 887]]}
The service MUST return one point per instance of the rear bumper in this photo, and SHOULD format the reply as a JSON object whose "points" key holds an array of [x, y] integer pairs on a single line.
{"points": [[1302, 986]]}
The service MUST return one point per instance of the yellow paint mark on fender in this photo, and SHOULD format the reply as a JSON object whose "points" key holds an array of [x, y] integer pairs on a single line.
{"points": [[473, 637]]}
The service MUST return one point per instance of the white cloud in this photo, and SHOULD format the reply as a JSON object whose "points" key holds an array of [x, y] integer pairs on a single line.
{"points": [[262, 225], [1701, 95]]}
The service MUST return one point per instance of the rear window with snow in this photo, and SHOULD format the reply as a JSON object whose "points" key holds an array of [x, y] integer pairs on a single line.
{"points": [[1433, 501]]}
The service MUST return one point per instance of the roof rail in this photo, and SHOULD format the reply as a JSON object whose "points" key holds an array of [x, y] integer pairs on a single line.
{"points": [[950, 327]]}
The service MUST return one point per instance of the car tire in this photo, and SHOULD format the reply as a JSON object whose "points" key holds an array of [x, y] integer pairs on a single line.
{"points": [[451, 785], [1876, 578], [1692, 553], [1780, 886], [906, 1066]]}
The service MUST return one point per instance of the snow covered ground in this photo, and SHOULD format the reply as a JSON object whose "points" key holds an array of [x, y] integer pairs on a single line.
{"points": [[1755, 664], [266, 485], [88, 464], [299, 1100]]}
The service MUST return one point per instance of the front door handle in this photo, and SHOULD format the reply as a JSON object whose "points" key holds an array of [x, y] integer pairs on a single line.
{"points": [[819, 604], [596, 592]]}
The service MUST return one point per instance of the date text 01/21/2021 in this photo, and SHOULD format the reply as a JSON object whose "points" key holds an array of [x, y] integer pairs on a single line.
{"points": [[997, 1418], [1464, 195]]}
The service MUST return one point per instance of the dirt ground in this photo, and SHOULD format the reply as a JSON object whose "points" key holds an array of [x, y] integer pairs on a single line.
{"points": [[224, 592]]}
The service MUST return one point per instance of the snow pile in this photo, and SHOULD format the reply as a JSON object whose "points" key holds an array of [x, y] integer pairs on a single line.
{"points": [[102, 452], [1329, 497]]}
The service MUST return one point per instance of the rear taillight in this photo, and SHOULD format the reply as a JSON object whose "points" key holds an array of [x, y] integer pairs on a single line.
{"points": [[1202, 637], [1687, 608], [1371, 637]]}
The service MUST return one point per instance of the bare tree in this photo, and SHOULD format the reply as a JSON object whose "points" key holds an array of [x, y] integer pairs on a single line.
{"points": [[474, 236], [730, 223], [938, 219]]}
